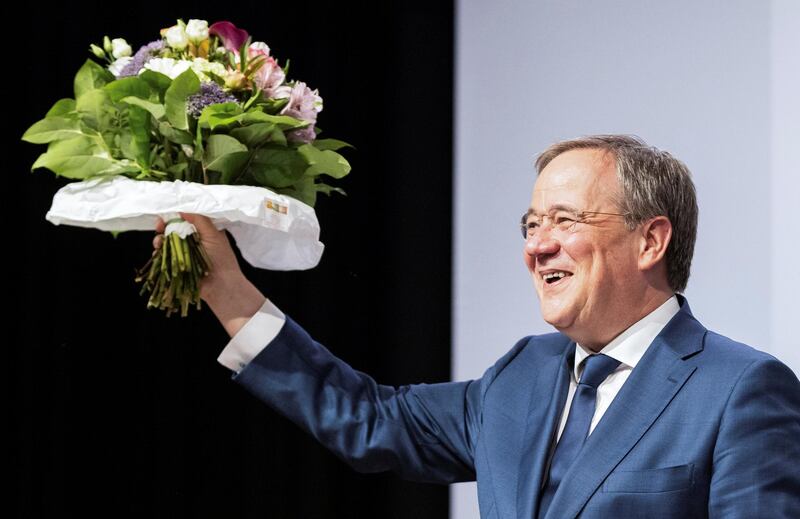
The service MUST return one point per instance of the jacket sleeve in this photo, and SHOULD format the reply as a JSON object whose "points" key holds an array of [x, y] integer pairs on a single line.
{"points": [[424, 432], [756, 467]]}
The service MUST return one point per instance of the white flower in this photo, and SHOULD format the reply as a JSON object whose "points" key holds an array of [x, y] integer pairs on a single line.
{"points": [[116, 67], [176, 37], [260, 46], [197, 31], [120, 48], [168, 66], [201, 66]]}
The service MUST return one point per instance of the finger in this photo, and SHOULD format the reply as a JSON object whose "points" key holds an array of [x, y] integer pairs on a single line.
{"points": [[158, 241], [160, 226], [202, 223]]}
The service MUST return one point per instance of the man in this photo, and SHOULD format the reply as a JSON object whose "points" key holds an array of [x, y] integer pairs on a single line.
{"points": [[633, 409]]}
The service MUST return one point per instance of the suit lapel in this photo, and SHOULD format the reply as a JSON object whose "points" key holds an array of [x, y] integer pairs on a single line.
{"points": [[655, 381], [540, 426]]}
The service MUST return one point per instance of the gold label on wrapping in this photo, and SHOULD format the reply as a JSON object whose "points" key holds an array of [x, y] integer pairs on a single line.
{"points": [[275, 206]]}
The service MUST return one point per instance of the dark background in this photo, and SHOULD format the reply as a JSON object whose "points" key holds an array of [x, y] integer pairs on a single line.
{"points": [[121, 411]]}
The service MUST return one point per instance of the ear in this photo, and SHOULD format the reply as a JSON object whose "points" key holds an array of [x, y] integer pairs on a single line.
{"points": [[655, 237]]}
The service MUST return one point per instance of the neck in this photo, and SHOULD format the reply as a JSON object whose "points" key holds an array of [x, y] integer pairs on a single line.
{"points": [[649, 301]]}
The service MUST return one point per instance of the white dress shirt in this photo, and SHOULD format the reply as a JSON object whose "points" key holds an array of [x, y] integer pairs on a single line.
{"points": [[628, 347], [253, 337]]}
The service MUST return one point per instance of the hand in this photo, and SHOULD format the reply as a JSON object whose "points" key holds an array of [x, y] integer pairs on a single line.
{"points": [[225, 270], [229, 294]]}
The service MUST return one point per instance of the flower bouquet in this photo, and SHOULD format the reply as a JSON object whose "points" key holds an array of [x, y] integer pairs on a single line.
{"points": [[201, 120]]}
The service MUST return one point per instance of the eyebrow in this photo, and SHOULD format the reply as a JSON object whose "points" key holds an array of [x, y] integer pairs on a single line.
{"points": [[556, 207]]}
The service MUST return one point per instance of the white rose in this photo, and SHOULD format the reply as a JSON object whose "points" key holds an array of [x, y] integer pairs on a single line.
{"points": [[116, 67], [260, 45], [197, 31], [176, 37], [168, 66], [120, 48]]}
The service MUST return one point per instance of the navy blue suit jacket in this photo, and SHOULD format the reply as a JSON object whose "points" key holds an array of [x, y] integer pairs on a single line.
{"points": [[703, 427]]}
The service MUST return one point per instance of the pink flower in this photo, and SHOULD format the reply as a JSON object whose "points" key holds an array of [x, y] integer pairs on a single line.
{"points": [[304, 104], [269, 77]]}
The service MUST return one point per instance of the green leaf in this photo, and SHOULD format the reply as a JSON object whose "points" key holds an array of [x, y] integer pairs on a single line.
{"points": [[273, 106], [284, 122], [128, 87], [219, 145], [255, 134], [229, 166], [62, 107], [139, 122], [325, 188], [78, 158], [120, 167], [95, 109], [220, 114], [173, 135], [278, 137], [175, 98], [253, 98], [158, 82], [52, 129], [178, 169], [323, 162], [226, 155], [91, 76], [157, 110], [331, 144], [125, 144], [303, 190], [275, 167]]}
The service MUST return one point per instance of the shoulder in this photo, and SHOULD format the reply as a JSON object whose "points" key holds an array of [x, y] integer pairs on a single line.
{"points": [[746, 368], [735, 356]]}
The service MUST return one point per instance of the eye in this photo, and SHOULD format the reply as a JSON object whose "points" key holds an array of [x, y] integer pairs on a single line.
{"points": [[564, 219]]}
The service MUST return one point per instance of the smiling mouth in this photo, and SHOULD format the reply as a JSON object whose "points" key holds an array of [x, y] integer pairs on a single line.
{"points": [[555, 278]]}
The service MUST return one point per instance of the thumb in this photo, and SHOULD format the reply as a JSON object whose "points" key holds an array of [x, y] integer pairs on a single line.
{"points": [[202, 223]]}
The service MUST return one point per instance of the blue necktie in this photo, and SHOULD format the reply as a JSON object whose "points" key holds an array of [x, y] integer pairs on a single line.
{"points": [[596, 369]]}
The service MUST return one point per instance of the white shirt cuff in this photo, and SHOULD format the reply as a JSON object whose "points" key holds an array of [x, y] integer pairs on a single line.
{"points": [[253, 337]]}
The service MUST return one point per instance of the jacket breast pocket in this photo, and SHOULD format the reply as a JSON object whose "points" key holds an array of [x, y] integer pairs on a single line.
{"points": [[668, 479]]}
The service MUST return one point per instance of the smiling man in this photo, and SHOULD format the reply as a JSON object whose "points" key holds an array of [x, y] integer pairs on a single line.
{"points": [[632, 409]]}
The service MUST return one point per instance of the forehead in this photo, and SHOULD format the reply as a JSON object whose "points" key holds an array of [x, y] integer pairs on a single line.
{"points": [[584, 179]]}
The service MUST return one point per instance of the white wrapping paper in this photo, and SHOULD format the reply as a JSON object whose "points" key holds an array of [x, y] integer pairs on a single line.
{"points": [[272, 231]]}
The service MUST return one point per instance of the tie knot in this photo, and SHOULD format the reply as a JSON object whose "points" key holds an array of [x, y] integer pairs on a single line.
{"points": [[596, 368]]}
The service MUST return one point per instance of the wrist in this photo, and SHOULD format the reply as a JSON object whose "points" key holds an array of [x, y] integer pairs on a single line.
{"points": [[234, 301]]}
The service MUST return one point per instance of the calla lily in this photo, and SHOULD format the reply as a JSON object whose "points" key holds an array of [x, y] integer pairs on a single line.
{"points": [[231, 37]]}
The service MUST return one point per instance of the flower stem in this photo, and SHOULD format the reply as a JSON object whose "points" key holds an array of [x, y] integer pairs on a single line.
{"points": [[172, 274]]}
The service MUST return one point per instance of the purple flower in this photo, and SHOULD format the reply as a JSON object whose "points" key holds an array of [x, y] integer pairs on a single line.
{"points": [[209, 94], [142, 56], [231, 37]]}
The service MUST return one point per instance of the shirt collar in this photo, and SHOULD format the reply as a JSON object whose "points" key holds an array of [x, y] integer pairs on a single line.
{"points": [[629, 346]]}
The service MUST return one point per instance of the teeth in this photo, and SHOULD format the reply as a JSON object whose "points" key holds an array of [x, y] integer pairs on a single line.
{"points": [[554, 275]]}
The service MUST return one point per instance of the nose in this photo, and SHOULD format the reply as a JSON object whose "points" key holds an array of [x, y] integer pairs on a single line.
{"points": [[543, 243]]}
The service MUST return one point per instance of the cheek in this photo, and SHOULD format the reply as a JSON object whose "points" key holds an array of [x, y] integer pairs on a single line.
{"points": [[578, 248]]}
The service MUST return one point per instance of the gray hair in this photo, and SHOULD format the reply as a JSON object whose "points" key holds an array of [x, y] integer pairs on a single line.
{"points": [[654, 183]]}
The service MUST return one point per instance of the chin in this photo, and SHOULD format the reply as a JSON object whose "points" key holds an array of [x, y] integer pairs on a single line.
{"points": [[556, 317]]}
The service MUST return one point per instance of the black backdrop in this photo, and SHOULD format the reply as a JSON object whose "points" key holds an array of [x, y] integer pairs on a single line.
{"points": [[121, 411]]}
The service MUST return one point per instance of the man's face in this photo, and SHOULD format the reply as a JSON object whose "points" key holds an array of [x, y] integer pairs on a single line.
{"points": [[592, 303]]}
